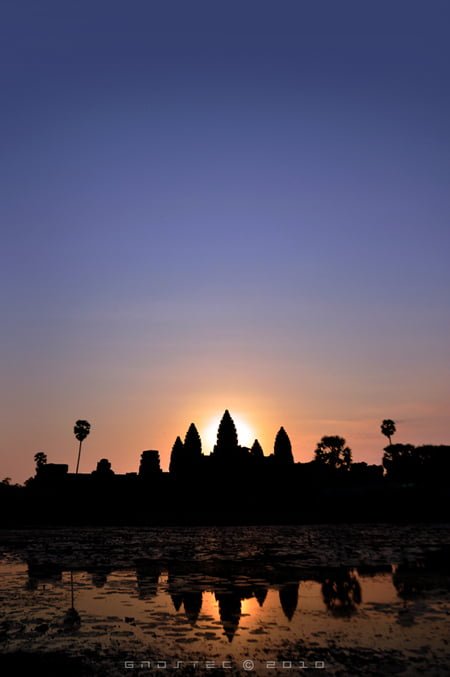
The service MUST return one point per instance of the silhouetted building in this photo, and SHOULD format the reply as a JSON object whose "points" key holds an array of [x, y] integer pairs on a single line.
{"points": [[192, 445], [149, 465], [227, 440], [103, 469], [52, 471], [256, 452], [176, 457], [282, 451], [186, 457]]}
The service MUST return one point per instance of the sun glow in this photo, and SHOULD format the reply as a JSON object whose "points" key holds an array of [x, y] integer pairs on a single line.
{"points": [[246, 435]]}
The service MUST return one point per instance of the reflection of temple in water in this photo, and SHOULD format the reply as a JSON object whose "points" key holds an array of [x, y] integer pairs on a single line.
{"points": [[99, 575], [230, 585], [229, 612], [49, 573], [192, 602], [147, 578], [42, 574], [260, 593], [289, 599]]}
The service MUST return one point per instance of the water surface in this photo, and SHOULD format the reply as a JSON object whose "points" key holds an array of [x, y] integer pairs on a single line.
{"points": [[278, 600]]}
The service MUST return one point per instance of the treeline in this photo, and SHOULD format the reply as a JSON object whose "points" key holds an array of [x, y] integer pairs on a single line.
{"points": [[426, 464]]}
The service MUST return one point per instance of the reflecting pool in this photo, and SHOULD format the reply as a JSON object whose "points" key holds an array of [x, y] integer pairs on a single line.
{"points": [[268, 601]]}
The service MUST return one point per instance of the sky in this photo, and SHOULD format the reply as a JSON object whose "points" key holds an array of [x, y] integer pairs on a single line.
{"points": [[222, 204]]}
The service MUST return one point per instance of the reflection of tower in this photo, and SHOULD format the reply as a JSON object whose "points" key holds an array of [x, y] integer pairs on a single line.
{"points": [[100, 576], [147, 577], [72, 620], [289, 599], [192, 605], [175, 596], [43, 573], [260, 594], [229, 611]]}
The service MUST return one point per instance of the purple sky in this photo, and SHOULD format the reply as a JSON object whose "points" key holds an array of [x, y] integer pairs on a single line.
{"points": [[222, 204]]}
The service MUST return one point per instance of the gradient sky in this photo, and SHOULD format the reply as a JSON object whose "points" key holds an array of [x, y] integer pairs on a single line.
{"points": [[222, 204]]}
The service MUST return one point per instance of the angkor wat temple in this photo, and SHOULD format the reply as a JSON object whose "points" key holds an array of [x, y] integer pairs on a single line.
{"points": [[235, 484]]}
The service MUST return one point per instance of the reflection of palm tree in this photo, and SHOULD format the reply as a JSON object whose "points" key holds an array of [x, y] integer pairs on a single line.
{"points": [[289, 599], [81, 431], [72, 620], [341, 593]]}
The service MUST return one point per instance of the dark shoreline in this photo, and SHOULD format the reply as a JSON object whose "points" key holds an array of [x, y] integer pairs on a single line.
{"points": [[92, 505]]}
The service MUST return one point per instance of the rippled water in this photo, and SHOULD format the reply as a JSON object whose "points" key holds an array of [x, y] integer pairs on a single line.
{"points": [[344, 600]]}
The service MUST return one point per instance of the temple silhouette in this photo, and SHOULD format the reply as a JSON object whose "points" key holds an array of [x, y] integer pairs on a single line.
{"points": [[235, 484]]}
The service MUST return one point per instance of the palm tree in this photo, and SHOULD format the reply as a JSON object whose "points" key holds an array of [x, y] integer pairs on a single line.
{"points": [[388, 429], [81, 431], [40, 459]]}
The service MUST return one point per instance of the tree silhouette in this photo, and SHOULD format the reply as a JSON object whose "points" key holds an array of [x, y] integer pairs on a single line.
{"points": [[282, 449], [402, 462], [81, 431], [256, 451], [40, 459], [332, 452], [176, 456], [388, 428]]}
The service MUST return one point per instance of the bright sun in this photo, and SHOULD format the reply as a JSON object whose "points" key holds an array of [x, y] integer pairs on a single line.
{"points": [[246, 435]]}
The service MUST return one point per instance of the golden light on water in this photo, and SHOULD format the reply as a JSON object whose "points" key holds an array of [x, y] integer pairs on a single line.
{"points": [[246, 434]]}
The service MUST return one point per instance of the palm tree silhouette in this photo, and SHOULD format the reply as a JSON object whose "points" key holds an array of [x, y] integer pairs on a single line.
{"points": [[81, 431], [40, 459], [388, 428]]}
